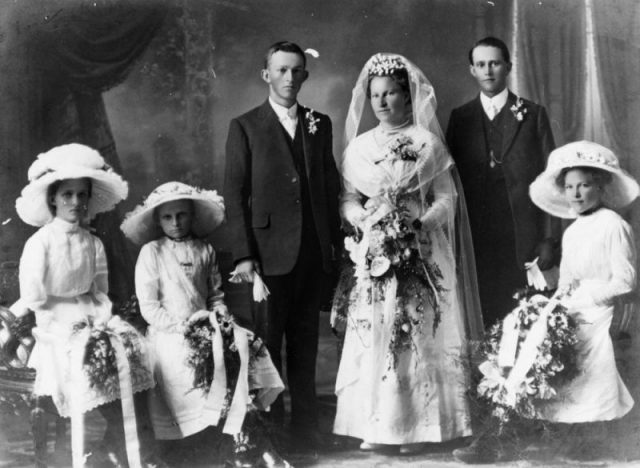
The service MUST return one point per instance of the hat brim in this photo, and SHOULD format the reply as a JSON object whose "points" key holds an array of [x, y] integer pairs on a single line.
{"points": [[548, 196], [141, 227], [107, 190]]}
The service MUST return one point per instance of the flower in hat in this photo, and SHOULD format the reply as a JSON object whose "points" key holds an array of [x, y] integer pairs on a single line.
{"points": [[140, 226], [71, 161]]}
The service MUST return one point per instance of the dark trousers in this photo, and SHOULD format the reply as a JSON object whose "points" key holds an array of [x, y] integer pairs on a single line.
{"points": [[292, 312], [494, 243]]}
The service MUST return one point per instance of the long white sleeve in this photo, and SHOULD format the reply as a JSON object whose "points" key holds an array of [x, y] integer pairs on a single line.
{"points": [[31, 276], [437, 213], [598, 259], [622, 254], [148, 290], [351, 209]]}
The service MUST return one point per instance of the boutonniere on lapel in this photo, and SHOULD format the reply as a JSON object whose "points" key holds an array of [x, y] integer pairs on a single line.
{"points": [[518, 109], [312, 122]]}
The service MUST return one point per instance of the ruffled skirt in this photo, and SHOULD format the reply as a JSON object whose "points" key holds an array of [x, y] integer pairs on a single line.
{"points": [[59, 356]]}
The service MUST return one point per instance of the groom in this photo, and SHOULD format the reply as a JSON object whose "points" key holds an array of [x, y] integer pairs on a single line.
{"points": [[281, 194], [500, 143]]}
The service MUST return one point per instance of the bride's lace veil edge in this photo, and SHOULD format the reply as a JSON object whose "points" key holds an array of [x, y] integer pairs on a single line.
{"points": [[424, 107]]}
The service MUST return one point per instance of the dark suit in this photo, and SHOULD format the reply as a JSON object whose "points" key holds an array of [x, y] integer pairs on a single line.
{"points": [[281, 197], [506, 226]]}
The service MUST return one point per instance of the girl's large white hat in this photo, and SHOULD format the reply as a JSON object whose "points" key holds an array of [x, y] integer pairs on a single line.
{"points": [[549, 196], [71, 161], [140, 226]]}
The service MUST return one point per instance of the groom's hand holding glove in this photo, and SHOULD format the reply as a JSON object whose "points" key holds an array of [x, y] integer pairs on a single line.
{"points": [[245, 269]]}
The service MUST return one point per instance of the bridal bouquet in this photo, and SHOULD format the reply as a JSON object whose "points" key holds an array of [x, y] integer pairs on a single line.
{"points": [[386, 250], [100, 363], [529, 356]]}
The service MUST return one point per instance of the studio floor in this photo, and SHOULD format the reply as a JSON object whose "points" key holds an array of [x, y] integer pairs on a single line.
{"points": [[17, 450]]}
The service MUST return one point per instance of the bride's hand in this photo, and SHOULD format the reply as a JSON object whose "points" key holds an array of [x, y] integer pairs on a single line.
{"points": [[410, 210], [374, 203]]}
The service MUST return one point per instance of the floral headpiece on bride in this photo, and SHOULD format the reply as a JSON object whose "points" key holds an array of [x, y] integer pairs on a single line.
{"points": [[383, 65]]}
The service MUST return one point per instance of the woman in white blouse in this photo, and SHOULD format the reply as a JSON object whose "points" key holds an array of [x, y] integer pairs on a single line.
{"points": [[583, 181]]}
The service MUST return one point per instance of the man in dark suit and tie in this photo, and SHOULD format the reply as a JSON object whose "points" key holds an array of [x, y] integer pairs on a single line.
{"points": [[500, 143], [281, 194]]}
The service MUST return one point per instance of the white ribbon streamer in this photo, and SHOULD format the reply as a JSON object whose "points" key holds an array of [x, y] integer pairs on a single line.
{"points": [[238, 408], [529, 349], [77, 417], [218, 391], [126, 398], [509, 341]]}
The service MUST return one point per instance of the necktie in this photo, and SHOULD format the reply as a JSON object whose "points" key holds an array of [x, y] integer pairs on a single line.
{"points": [[493, 111], [290, 121]]}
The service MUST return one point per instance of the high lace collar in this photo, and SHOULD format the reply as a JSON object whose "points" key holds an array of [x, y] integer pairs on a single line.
{"points": [[181, 240], [65, 226], [590, 211]]}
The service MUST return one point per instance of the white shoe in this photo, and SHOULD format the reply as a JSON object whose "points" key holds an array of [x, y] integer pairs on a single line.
{"points": [[369, 446]]}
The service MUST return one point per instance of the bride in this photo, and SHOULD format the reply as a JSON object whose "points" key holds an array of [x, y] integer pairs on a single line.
{"points": [[409, 304]]}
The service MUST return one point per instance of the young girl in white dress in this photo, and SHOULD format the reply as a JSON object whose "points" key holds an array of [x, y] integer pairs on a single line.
{"points": [[64, 280], [178, 283], [583, 181]]}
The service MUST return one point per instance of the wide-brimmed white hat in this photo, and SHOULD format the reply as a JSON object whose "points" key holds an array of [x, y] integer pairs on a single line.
{"points": [[72, 161], [140, 226], [545, 192]]}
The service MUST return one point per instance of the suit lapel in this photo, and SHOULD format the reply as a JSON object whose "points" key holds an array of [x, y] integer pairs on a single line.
{"points": [[307, 140], [476, 128], [511, 125], [273, 126]]}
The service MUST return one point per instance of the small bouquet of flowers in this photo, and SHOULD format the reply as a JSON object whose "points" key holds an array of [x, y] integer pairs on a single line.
{"points": [[199, 336], [528, 356], [100, 362]]}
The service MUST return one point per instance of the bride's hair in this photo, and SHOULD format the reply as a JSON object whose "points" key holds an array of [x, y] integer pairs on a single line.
{"points": [[399, 75]]}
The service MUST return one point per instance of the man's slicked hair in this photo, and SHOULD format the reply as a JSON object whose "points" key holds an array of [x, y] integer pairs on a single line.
{"points": [[284, 46], [491, 41]]}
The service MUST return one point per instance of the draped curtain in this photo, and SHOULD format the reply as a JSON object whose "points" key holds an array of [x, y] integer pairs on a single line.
{"points": [[617, 38], [548, 44], [68, 53]]}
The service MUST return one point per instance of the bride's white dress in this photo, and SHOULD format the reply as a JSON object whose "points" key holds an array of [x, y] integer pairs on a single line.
{"points": [[422, 399]]}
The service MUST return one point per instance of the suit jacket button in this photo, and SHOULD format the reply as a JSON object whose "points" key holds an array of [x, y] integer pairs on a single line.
{"points": [[294, 180], [297, 201]]}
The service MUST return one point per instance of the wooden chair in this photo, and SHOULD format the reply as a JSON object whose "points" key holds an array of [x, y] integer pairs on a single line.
{"points": [[17, 378]]}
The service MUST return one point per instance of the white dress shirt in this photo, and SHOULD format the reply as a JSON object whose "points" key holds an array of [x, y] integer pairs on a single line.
{"points": [[288, 117], [493, 105]]}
